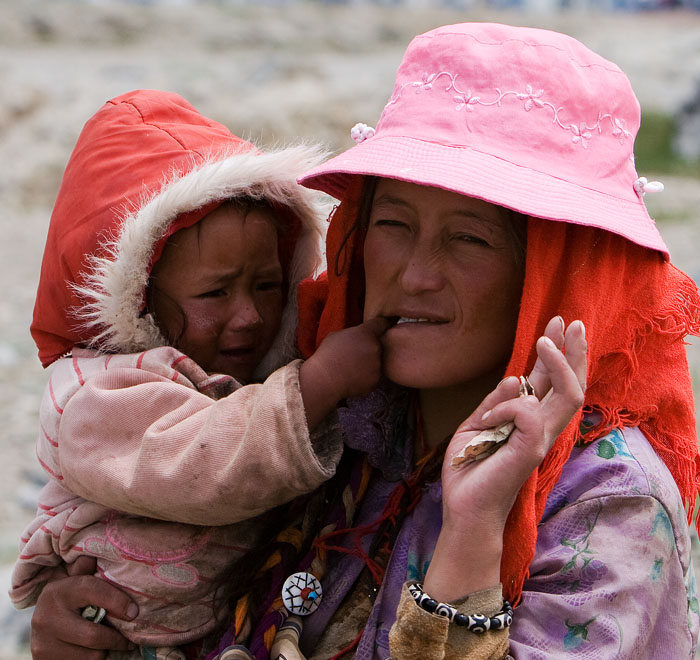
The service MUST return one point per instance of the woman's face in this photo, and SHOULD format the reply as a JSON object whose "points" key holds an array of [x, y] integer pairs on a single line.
{"points": [[445, 265]]}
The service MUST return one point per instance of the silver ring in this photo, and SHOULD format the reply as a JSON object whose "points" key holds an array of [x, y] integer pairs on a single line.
{"points": [[94, 613]]}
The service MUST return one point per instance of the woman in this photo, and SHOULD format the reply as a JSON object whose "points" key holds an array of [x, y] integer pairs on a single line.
{"points": [[497, 195]]}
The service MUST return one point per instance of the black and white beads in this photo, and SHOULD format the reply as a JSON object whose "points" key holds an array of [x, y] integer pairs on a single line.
{"points": [[477, 623]]}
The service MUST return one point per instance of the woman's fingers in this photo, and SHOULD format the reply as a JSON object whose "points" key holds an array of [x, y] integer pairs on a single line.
{"points": [[567, 371], [59, 630], [568, 377], [576, 351], [572, 341], [507, 389], [539, 376], [525, 420], [565, 376], [558, 377]]}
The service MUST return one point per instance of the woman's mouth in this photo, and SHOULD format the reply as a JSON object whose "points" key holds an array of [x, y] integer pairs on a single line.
{"points": [[416, 319], [406, 319]]}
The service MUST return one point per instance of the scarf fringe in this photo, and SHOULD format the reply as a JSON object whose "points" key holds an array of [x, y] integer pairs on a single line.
{"points": [[671, 324], [680, 319]]}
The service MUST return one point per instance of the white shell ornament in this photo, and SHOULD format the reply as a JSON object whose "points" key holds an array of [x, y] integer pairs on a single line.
{"points": [[302, 593], [642, 186], [361, 132]]}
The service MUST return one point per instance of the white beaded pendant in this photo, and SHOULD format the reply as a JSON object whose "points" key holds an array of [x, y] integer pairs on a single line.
{"points": [[302, 593]]}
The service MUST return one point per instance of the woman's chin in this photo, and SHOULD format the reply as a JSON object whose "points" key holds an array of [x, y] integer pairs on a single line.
{"points": [[431, 373], [416, 376]]}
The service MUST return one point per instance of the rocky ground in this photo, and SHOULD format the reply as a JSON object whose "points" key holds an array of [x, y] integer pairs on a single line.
{"points": [[270, 73]]}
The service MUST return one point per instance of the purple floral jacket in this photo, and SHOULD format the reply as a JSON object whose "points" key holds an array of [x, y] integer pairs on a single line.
{"points": [[612, 576]]}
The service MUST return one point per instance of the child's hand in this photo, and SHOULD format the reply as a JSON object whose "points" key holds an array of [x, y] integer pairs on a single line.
{"points": [[347, 363], [353, 357]]}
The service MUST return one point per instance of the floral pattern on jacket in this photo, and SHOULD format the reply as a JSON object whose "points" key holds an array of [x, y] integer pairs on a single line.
{"points": [[612, 575], [611, 579]]}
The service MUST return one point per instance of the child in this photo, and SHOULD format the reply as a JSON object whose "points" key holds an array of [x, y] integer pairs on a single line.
{"points": [[168, 285]]}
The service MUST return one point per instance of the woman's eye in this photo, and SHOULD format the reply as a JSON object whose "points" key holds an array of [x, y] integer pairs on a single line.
{"points": [[471, 238]]}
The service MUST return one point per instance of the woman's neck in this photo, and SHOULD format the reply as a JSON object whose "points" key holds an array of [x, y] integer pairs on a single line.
{"points": [[444, 409]]}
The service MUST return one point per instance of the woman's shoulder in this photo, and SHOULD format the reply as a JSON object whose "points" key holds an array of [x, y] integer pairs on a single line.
{"points": [[621, 462], [612, 559], [619, 466]]}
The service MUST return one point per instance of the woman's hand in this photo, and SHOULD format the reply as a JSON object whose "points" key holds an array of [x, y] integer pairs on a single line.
{"points": [[477, 498], [559, 382], [58, 629]]}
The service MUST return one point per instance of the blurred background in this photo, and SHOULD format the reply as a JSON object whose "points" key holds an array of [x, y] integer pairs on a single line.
{"points": [[272, 71]]}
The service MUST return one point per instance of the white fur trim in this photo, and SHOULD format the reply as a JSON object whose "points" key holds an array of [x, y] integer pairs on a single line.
{"points": [[114, 285]]}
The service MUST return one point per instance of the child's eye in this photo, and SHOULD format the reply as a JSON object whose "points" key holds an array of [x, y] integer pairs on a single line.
{"points": [[214, 293], [387, 222], [272, 285]]}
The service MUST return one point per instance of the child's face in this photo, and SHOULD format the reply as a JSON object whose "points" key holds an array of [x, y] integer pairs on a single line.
{"points": [[217, 291]]}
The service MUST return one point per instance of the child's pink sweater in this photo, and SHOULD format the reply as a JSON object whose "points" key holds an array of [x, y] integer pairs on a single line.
{"points": [[159, 470]]}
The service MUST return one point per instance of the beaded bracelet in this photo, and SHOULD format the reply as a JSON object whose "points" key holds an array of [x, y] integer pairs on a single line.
{"points": [[477, 623]]}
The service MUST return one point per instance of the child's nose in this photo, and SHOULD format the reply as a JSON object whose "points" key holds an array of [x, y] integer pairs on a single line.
{"points": [[246, 315]]}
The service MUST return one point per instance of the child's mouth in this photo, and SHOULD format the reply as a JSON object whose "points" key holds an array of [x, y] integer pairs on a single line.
{"points": [[238, 352]]}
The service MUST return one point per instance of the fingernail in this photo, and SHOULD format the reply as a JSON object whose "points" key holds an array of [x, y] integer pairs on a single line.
{"points": [[561, 323], [132, 611], [583, 329], [548, 341], [486, 415]]}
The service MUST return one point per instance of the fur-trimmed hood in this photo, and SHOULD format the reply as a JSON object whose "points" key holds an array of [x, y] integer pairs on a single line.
{"points": [[145, 165]]}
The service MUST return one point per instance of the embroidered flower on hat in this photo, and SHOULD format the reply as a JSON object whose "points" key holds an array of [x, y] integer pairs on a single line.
{"points": [[582, 133], [427, 82], [466, 101], [532, 99]]}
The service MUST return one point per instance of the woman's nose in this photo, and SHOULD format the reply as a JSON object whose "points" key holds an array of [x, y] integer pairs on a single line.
{"points": [[422, 272]]}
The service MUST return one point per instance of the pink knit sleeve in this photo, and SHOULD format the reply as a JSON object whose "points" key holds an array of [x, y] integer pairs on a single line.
{"points": [[136, 441]]}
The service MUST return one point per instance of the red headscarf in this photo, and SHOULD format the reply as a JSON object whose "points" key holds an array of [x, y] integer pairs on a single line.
{"points": [[637, 309]]}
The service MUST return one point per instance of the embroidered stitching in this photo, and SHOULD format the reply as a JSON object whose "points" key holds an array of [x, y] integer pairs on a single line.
{"points": [[581, 133]]}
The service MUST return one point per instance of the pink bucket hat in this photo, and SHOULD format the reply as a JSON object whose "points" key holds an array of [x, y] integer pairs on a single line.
{"points": [[524, 118]]}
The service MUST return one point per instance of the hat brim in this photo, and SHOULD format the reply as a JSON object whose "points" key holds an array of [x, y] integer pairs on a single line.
{"points": [[476, 174]]}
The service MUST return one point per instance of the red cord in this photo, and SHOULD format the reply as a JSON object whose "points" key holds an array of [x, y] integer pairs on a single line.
{"points": [[349, 647]]}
